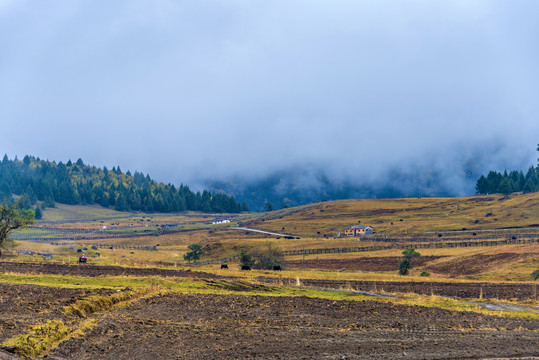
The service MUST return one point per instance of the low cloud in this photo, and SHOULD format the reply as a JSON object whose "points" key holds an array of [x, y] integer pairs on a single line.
{"points": [[199, 91]]}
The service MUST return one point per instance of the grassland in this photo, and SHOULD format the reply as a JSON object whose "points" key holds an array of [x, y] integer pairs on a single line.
{"points": [[503, 272]]}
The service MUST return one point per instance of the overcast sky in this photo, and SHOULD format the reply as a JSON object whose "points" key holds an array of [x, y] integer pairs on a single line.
{"points": [[190, 90]]}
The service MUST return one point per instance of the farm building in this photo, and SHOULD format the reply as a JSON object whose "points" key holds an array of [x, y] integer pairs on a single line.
{"points": [[225, 221], [356, 230]]}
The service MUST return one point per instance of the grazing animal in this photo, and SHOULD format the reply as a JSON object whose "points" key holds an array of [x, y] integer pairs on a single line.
{"points": [[277, 267], [245, 267], [224, 266]]}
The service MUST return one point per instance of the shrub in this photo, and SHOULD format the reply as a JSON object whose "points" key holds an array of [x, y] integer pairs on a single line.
{"points": [[404, 266], [535, 274], [425, 273], [195, 253], [246, 259], [264, 258]]}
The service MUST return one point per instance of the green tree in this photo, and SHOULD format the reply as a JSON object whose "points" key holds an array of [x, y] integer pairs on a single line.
{"points": [[404, 267], [195, 253], [13, 217], [410, 254], [38, 213], [506, 186], [268, 206], [406, 264], [529, 186], [482, 186], [246, 259], [266, 257]]}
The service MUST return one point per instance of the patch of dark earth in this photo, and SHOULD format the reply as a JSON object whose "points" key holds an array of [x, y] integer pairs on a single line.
{"points": [[500, 291], [91, 270], [181, 326], [388, 263], [22, 306], [520, 291]]}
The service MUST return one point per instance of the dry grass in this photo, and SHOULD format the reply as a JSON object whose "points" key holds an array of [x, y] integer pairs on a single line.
{"points": [[412, 216]]}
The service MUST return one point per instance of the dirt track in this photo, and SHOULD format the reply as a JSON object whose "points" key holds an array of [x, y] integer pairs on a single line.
{"points": [[256, 327]]}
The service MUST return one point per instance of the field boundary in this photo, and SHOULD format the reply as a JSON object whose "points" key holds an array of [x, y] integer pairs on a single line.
{"points": [[431, 245]]}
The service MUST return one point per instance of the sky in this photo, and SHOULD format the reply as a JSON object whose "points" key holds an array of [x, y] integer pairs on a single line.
{"points": [[210, 89]]}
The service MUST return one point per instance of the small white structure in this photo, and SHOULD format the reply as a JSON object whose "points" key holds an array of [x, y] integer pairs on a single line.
{"points": [[225, 221]]}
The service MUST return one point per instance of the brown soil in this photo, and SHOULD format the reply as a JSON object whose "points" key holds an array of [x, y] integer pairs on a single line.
{"points": [[462, 290], [476, 264], [256, 327], [24, 305], [503, 291], [389, 263], [94, 270]]}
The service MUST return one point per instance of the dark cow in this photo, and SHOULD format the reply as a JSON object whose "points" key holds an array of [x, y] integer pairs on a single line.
{"points": [[224, 266], [277, 267], [245, 267]]}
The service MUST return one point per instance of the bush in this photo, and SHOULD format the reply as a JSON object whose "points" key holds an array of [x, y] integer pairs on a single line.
{"points": [[425, 273], [195, 253], [535, 274], [264, 258], [246, 259], [404, 267]]}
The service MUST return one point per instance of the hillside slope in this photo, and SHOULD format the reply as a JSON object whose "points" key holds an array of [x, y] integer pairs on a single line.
{"points": [[410, 216]]}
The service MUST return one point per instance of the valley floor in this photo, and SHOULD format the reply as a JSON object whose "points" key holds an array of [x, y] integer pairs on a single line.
{"points": [[183, 326]]}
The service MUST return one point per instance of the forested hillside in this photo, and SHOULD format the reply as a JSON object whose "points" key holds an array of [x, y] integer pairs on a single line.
{"points": [[507, 183], [78, 183]]}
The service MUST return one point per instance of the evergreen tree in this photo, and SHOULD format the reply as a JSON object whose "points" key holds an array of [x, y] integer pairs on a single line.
{"points": [[482, 186], [529, 186], [38, 213], [506, 186]]}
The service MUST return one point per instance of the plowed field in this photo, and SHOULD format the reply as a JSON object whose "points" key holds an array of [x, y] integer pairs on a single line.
{"points": [[389, 263], [94, 270], [24, 305], [456, 290], [460, 290], [476, 264], [256, 327]]}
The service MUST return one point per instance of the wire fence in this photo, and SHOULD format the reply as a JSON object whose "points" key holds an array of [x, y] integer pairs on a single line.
{"points": [[425, 245], [108, 246]]}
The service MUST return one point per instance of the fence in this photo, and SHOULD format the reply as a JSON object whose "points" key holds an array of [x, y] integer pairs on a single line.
{"points": [[428, 245], [108, 246], [99, 236]]}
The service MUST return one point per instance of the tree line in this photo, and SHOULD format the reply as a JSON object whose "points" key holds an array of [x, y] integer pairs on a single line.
{"points": [[77, 183], [509, 182]]}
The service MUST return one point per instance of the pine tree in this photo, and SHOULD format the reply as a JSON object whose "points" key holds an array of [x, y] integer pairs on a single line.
{"points": [[506, 186]]}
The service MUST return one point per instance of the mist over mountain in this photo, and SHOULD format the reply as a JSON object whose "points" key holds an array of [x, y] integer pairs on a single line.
{"points": [[436, 174], [308, 99]]}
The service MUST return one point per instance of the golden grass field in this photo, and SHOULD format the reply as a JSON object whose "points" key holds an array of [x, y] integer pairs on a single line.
{"points": [[315, 226]]}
